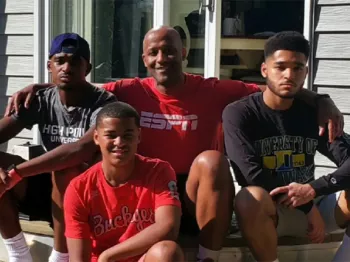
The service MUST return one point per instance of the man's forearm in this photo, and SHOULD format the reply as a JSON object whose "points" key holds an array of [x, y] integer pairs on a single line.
{"points": [[141, 242], [62, 157], [333, 182]]}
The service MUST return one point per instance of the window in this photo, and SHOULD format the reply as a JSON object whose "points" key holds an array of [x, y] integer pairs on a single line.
{"points": [[114, 29]]}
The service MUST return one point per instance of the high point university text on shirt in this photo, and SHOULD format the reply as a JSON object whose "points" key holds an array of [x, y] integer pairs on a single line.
{"points": [[62, 134]]}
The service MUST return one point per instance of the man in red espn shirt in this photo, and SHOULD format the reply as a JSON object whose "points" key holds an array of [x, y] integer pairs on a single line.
{"points": [[126, 205], [181, 123]]}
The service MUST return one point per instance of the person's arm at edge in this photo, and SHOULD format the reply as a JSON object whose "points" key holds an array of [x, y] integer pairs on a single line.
{"points": [[338, 152], [64, 156], [9, 128], [166, 227]]}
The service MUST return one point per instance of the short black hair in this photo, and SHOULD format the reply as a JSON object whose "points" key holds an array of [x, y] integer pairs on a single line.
{"points": [[287, 40], [117, 110]]}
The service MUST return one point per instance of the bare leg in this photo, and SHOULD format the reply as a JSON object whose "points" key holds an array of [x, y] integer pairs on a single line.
{"points": [[60, 181], [165, 251], [9, 221], [256, 215], [210, 193], [342, 217]]}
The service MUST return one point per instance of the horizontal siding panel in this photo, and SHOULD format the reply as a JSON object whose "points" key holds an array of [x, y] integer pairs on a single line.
{"points": [[332, 72], [333, 46], [16, 45], [323, 171], [340, 97], [333, 2], [347, 124], [14, 83], [17, 6], [16, 65], [333, 18], [16, 24]]}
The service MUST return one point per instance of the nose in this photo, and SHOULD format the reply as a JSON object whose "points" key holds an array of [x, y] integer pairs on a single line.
{"points": [[67, 67], [289, 73], [161, 57], [118, 141]]}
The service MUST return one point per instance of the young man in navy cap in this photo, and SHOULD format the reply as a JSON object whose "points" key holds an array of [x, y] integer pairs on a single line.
{"points": [[64, 113]]}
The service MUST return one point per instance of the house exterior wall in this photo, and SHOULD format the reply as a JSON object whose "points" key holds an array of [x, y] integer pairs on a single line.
{"points": [[16, 55], [331, 61]]}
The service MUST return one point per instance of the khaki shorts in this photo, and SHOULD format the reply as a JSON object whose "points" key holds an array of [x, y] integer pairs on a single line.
{"points": [[293, 222]]}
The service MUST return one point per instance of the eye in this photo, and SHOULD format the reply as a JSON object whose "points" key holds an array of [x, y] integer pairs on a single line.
{"points": [[59, 60], [110, 136]]}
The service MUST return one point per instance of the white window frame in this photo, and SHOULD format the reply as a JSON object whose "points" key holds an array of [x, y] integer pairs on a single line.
{"points": [[309, 11]]}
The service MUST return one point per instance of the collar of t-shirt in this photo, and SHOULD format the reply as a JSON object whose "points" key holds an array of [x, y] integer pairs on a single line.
{"points": [[190, 85]]}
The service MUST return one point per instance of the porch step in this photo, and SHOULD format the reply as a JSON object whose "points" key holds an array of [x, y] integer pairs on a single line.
{"points": [[39, 237]]}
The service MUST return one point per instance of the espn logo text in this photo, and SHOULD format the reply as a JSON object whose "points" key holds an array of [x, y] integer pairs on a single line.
{"points": [[166, 121]]}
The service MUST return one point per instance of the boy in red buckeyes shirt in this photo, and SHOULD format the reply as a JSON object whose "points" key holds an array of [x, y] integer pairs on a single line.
{"points": [[126, 207]]}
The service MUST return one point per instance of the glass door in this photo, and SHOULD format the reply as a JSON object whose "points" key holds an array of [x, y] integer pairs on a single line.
{"points": [[198, 22]]}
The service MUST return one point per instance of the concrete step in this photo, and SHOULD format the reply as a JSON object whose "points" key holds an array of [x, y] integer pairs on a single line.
{"points": [[39, 238]]}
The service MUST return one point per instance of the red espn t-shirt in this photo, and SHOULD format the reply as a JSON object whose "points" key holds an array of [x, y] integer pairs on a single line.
{"points": [[110, 215], [177, 129]]}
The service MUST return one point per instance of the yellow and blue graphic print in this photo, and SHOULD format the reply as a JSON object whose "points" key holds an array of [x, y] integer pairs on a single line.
{"points": [[286, 156]]}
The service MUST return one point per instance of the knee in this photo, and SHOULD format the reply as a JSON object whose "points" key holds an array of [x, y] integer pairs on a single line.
{"points": [[7, 160], [212, 166], [251, 201], [166, 251]]}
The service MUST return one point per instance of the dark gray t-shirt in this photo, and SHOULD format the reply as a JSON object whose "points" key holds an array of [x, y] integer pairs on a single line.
{"points": [[61, 125]]}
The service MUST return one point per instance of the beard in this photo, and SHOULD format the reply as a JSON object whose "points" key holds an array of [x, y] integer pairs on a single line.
{"points": [[275, 91]]}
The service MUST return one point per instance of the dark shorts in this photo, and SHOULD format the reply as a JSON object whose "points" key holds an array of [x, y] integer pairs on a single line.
{"points": [[189, 224], [36, 205]]}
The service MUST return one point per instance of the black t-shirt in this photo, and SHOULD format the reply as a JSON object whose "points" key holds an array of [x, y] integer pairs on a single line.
{"points": [[270, 148]]}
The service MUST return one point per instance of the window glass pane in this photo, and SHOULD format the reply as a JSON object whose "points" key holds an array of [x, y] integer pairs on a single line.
{"points": [[245, 27], [114, 29]]}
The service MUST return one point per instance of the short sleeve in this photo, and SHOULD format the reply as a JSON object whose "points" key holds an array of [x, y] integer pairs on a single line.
{"points": [[119, 87], [106, 98], [165, 188], [235, 90], [112, 86], [76, 215], [31, 115]]}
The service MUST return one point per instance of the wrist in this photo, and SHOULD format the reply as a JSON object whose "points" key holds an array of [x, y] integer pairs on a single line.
{"points": [[13, 173]]}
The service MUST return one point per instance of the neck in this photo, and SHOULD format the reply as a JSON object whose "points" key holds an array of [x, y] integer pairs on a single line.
{"points": [[118, 175], [275, 102], [174, 88], [73, 96]]}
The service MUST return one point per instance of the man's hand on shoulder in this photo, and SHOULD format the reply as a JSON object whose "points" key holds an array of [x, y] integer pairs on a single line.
{"points": [[23, 97], [294, 194]]}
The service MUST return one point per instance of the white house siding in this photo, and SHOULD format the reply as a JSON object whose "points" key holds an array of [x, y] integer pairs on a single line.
{"points": [[331, 60], [16, 55]]}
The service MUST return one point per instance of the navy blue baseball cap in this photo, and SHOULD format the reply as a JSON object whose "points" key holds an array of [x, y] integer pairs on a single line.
{"points": [[77, 45]]}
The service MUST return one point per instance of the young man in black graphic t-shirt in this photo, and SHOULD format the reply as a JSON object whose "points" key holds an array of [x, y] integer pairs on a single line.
{"points": [[64, 113], [271, 140]]}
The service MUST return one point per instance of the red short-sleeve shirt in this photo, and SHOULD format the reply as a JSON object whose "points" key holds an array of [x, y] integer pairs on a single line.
{"points": [[177, 129], [110, 215]]}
